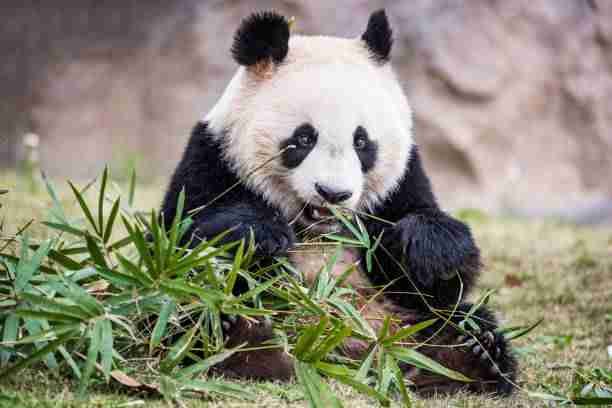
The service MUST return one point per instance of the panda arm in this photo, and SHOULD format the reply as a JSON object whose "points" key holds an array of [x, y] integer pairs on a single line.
{"points": [[209, 182], [426, 249]]}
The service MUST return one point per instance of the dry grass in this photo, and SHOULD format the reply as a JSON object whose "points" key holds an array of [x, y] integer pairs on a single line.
{"points": [[560, 273]]}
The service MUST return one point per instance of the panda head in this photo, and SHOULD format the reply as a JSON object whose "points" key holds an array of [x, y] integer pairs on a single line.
{"points": [[309, 121]]}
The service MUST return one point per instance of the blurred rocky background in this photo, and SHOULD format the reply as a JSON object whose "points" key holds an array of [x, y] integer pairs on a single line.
{"points": [[512, 99]]}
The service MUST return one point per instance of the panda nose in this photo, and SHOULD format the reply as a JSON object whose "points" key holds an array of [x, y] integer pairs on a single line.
{"points": [[332, 196]]}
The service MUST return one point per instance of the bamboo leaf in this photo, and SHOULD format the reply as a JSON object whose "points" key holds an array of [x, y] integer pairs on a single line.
{"points": [[308, 337], [9, 335], [202, 366], [37, 355], [233, 274], [84, 208], [168, 307], [110, 223], [407, 332], [101, 196], [106, 347], [419, 360], [95, 343]]}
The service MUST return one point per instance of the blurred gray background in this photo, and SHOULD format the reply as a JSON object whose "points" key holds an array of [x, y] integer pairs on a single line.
{"points": [[512, 98]]}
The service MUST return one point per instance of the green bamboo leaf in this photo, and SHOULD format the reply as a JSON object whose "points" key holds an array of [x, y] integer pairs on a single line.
{"points": [[49, 334], [347, 224], [53, 305], [64, 260], [106, 347], [258, 289], [338, 372], [330, 343], [84, 208], [308, 337], [95, 253], [344, 240], [27, 268], [70, 361], [57, 211], [95, 344], [65, 228], [120, 279], [79, 296], [179, 350], [385, 372], [110, 223], [175, 231], [401, 334], [43, 315], [132, 188], [419, 360], [185, 290], [168, 307], [316, 390], [139, 241], [9, 335], [101, 197], [135, 271], [233, 274], [399, 381], [120, 244], [515, 333], [38, 355], [366, 366], [202, 366]]}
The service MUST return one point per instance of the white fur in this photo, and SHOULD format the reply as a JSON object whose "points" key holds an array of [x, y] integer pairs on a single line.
{"points": [[332, 84]]}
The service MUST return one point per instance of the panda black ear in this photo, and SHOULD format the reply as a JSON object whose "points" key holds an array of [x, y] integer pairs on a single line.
{"points": [[378, 36], [261, 36]]}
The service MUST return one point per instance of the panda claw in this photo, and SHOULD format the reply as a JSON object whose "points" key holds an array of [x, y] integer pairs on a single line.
{"points": [[489, 338], [227, 321], [471, 342]]}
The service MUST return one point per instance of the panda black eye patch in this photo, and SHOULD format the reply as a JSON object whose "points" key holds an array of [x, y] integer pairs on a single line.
{"points": [[365, 148], [304, 139]]}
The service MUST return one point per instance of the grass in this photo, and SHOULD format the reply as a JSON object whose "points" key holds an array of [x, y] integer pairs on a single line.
{"points": [[547, 270]]}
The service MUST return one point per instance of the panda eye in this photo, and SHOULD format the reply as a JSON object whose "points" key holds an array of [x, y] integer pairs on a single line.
{"points": [[360, 140], [306, 140], [305, 136]]}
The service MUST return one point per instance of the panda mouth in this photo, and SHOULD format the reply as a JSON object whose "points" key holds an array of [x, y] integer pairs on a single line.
{"points": [[318, 214]]}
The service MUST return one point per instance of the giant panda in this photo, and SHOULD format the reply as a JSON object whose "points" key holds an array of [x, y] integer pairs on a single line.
{"points": [[313, 121]]}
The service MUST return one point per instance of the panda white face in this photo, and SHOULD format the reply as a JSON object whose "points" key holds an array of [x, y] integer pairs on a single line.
{"points": [[327, 126]]}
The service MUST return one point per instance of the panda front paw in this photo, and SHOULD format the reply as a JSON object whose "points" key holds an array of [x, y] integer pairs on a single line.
{"points": [[491, 359], [435, 247], [238, 329], [272, 234], [273, 238], [488, 347]]}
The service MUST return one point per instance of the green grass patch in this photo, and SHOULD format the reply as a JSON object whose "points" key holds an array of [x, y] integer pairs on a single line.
{"points": [[98, 302]]}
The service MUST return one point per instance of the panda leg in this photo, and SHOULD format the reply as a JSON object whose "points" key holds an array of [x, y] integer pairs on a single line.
{"points": [[481, 355], [264, 364]]}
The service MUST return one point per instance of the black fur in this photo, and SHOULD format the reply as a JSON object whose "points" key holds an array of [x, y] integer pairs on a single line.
{"points": [[427, 250], [206, 176], [293, 156], [261, 36], [369, 153], [379, 36]]}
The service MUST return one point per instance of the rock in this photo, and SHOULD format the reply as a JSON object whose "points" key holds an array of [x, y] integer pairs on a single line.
{"points": [[511, 98]]}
